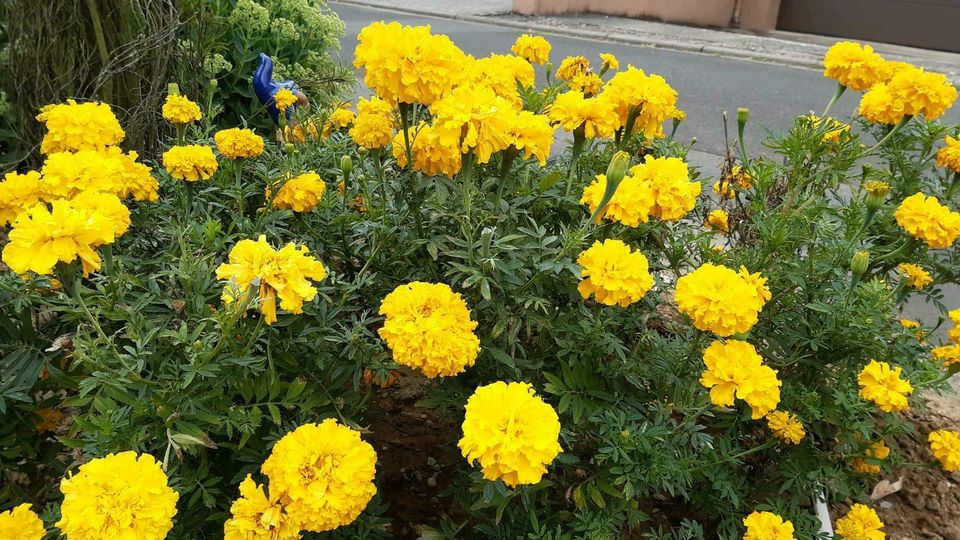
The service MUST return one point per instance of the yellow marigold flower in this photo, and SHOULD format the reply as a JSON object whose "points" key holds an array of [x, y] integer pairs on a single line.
{"points": [[323, 473], [894, 67], [674, 195], [723, 189], [73, 229], [21, 523], [719, 300], [571, 110], [881, 384], [630, 205], [734, 369], [767, 526], [300, 193], [284, 99], [648, 97], [255, 516], [877, 451], [180, 110], [741, 177], [717, 220], [374, 123], [948, 157], [880, 106], [954, 333], [407, 64], [238, 143], [431, 153], [917, 277], [948, 355], [945, 446], [18, 192], [609, 61], [589, 83], [533, 134], [73, 126], [613, 273], [877, 187], [48, 419], [191, 162], [786, 426], [475, 119], [118, 496], [907, 323], [860, 523], [108, 171], [511, 431], [855, 66], [340, 117], [923, 93], [928, 220], [533, 49], [836, 128], [285, 274], [572, 66], [427, 326], [501, 74]]}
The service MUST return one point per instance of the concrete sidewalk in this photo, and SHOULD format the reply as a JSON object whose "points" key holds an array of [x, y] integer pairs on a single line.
{"points": [[782, 48]]}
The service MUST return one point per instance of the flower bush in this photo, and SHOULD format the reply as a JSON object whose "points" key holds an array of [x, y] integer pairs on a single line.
{"points": [[206, 347]]}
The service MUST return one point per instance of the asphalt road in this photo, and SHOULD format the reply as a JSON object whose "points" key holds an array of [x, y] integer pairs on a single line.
{"points": [[707, 84]]}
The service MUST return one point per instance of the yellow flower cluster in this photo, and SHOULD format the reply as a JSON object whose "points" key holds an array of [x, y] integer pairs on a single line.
{"points": [[786, 426], [767, 526], [613, 273], [73, 126], [17, 193], [339, 117], [323, 474], [428, 327], [572, 66], [945, 446], [180, 110], [300, 193], [595, 115], [917, 277], [374, 123], [191, 162], [881, 384], [255, 515], [646, 97], [718, 220], [285, 274], [954, 333], [110, 170], [928, 220], [407, 64], [475, 119], [118, 496], [609, 61], [855, 66], [835, 127], [735, 370], [532, 134], [430, 156], [910, 92], [720, 300], [860, 523], [877, 451], [948, 157], [284, 99], [21, 523], [588, 83], [238, 143], [511, 431], [947, 355], [501, 74], [533, 49], [659, 187]]}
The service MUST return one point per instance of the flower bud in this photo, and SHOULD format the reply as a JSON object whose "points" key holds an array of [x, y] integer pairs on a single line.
{"points": [[213, 84], [548, 67], [173, 89], [743, 114], [288, 148], [859, 263], [616, 170], [346, 166], [876, 194], [362, 152]]}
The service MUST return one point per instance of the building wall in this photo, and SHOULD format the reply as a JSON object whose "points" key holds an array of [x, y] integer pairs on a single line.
{"points": [[746, 14]]}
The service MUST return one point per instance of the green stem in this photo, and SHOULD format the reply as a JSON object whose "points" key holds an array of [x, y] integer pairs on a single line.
{"points": [[404, 125], [628, 126], [237, 170], [509, 155], [886, 137], [836, 95], [578, 141], [953, 187]]}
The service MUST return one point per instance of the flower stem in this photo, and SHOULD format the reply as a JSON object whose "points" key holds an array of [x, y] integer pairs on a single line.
{"points": [[405, 125], [578, 141], [836, 95], [886, 137]]}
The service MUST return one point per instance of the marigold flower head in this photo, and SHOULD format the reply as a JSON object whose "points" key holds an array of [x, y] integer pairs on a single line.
{"points": [[945, 446], [947, 355], [609, 61], [589, 83], [475, 119], [881, 384], [533, 49], [21, 523], [740, 177], [533, 135], [954, 333], [65, 174], [300, 193], [178, 109], [855, 66], [511, 431], [860, 523], [284, 99], [907, 323], [238, 143], [118, 496], [917, 277], [571, 110], [432, 154], [719, 300], [724, 189], [717, 220], [928, 220], [73, 126], [502, 74], [877, 451], [767, 526], [256, 516], [190, 162], [428, 327], [572, 66], [284, 274], [835, 127], [407, 63], [648, 97], [876, 187], [339, 117], [880, 106], [735, 370], [323, 474], [630, 205], [948, 157], [374, 123], [613, 273], [674, 194], [786, 426], [922, 92], [19, 192]]}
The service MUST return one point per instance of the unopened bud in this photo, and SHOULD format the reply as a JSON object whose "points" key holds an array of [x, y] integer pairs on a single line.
{"points": [[362, 152], [346, 166], [548, 67], [616, 170], [288, 148], [213, 84], [743, 115], [859, 263], [173, 89], [877, 192]]}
